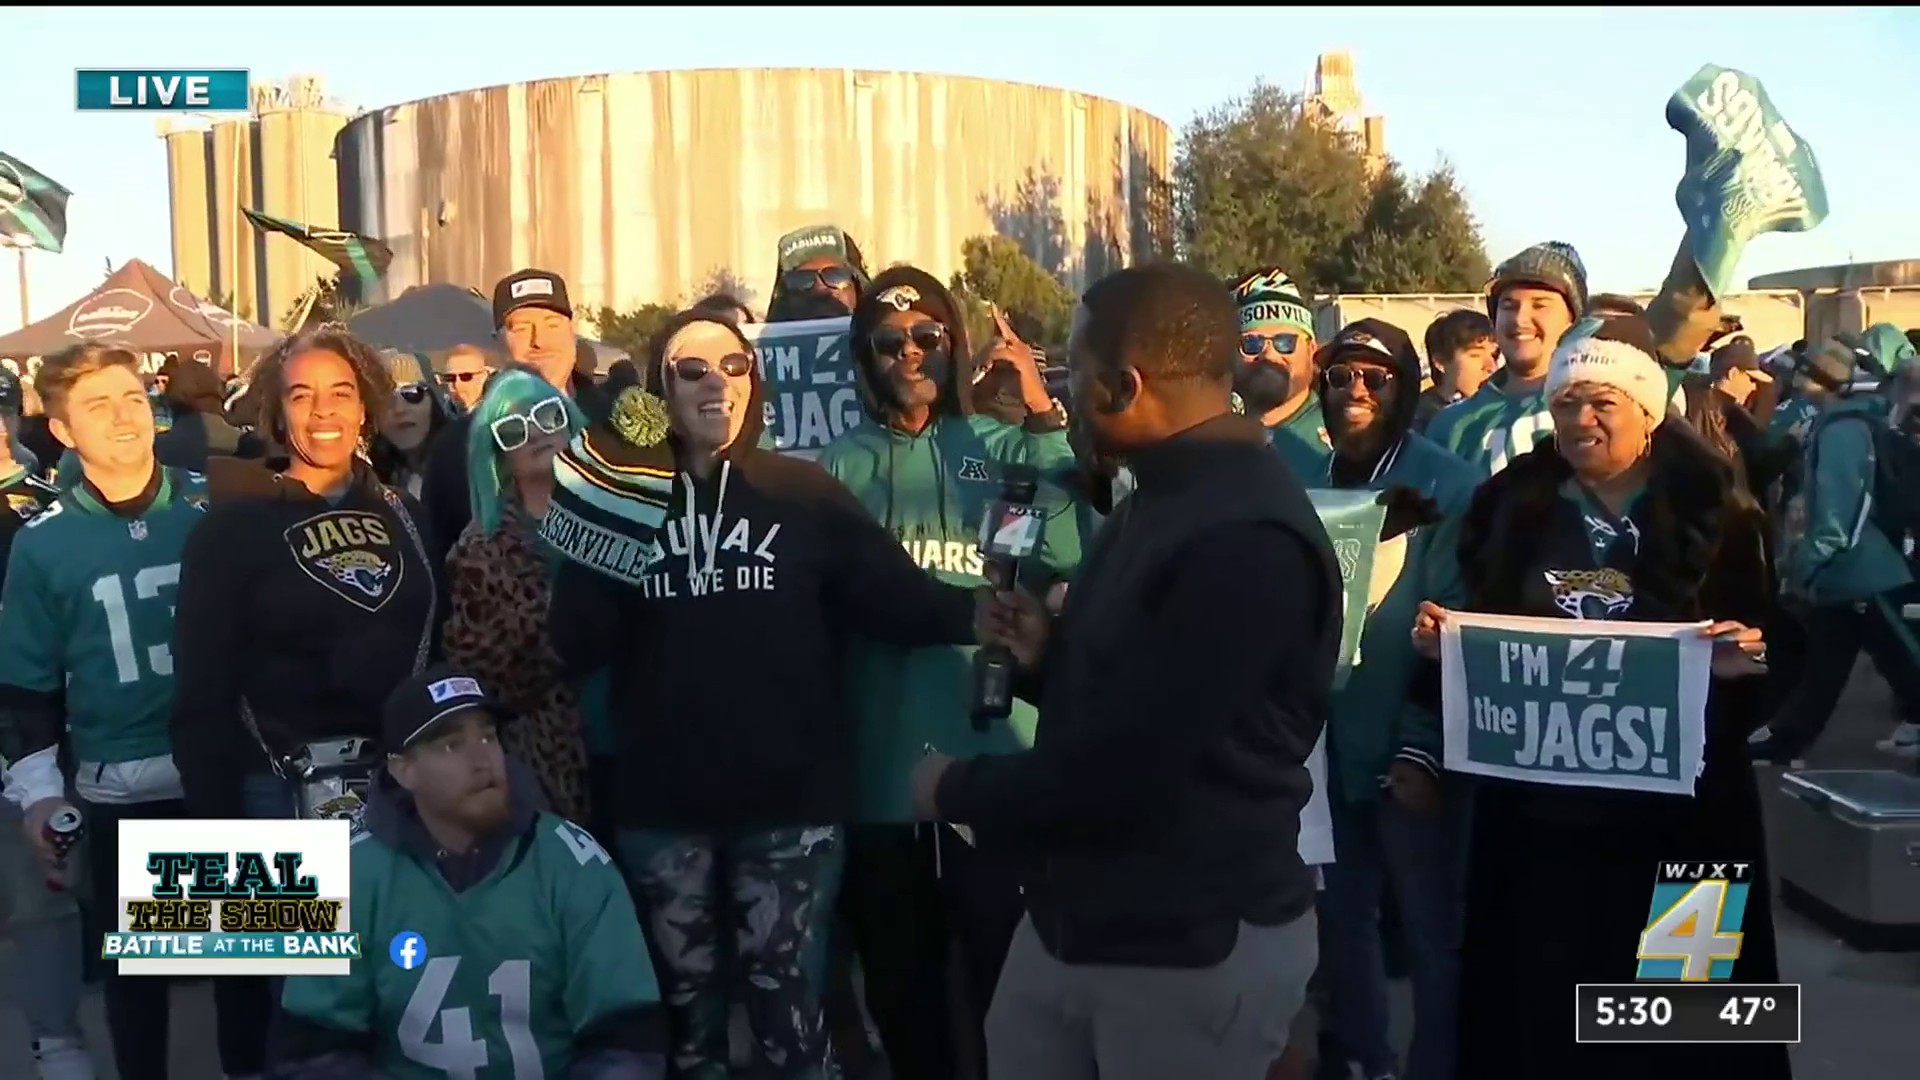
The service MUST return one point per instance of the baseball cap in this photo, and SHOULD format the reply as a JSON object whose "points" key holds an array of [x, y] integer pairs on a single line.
{"points": [[530, 288], [1370, 339], [419, 704]]}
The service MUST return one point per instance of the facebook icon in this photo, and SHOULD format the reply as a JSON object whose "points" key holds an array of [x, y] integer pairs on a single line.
{"points": [[409, 950]]}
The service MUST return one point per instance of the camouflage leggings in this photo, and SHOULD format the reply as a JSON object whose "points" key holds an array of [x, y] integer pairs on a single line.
{"points": [[736, 903]]}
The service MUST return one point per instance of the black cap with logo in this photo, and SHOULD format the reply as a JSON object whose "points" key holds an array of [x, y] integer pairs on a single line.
{"points": [[530, 288], [1370, 339], [419, 704]]}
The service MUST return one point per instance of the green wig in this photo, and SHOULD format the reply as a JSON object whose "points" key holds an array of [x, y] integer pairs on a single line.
{"points": [[509, 391]]}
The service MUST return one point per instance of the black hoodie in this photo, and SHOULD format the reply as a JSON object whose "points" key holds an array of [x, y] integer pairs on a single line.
{"points": [[307, 611], [725, 657]]}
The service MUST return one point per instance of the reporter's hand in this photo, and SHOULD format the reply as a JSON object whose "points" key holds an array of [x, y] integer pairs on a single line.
{"points": [[1426, 629], [1016, 620], [1414, 788], [34, 824], [1739, 650]]}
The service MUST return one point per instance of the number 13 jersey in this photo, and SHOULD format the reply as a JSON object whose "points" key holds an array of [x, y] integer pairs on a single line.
{"points": [[87, 610]]}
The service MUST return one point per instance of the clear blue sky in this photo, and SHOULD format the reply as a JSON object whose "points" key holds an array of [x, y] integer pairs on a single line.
{"points": [[1553, 119]]}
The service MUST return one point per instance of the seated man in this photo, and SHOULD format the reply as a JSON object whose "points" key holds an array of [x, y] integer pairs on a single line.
{"points": [[492, 932]]}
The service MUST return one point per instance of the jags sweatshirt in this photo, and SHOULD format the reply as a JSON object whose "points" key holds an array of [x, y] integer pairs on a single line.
{"points": [[298, 612]]}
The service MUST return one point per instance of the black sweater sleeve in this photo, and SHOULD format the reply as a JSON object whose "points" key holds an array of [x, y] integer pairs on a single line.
{"points": [[584, 618], [876, 589], [210, 742], [443, 490], [1204, 651]]}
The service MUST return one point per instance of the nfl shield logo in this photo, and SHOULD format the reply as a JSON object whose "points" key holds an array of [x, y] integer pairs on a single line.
{"points": [[137, 530]]}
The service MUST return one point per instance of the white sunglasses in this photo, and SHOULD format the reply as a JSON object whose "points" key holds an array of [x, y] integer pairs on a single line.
{"points": [[512, 431]]}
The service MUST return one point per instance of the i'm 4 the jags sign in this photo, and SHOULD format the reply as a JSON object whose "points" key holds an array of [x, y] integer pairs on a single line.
{"points": [[1586, 704]]}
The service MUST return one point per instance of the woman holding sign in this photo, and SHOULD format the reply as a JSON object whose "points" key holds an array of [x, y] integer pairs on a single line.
{"points": [[1591, 780]]}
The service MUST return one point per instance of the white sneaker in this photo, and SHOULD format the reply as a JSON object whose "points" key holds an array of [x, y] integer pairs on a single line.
{"points": [[62, 1059], [1905, 741]]}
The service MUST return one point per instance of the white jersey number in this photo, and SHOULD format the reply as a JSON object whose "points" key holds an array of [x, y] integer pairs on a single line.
{"points": [[112, 596], [457, 1053], [1503, 444]]}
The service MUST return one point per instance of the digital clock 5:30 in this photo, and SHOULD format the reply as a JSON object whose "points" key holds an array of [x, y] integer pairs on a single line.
{"points": [[1690, 1012], [1633, 1010]]}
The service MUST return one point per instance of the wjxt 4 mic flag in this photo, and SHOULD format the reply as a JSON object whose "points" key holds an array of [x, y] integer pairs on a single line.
{"points": [[33, 209]]}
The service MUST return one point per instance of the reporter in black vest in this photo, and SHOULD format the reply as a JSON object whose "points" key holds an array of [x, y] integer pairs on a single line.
{"points": [[1180, 690], [306, 593]]}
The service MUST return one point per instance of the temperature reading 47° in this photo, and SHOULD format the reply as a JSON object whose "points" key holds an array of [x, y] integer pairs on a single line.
{"points": [[1743, 1011]]}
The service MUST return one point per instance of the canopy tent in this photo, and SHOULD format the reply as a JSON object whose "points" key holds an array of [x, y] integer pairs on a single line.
{"points": [[434, 318], [140, 308]]}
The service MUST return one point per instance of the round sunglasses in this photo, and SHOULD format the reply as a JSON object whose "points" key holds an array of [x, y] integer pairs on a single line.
{"points": [[512, 431], [1255, 344], [803, 279], [1341, 376], [411, 393], [693, 368], [892, 340]]}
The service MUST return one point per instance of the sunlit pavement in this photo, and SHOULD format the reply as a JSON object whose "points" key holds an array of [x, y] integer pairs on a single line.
{"points": [[1860, 1008]]}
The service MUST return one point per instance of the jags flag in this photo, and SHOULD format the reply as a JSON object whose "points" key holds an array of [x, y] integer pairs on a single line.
{"points": [[33, 209], [359, 257]]}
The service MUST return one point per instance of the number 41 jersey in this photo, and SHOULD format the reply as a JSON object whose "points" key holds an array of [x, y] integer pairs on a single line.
{"points": [[88, 609], [496, 980]]}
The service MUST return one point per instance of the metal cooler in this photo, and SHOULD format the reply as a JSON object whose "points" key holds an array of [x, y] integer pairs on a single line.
{"points": [[1850, 839]]}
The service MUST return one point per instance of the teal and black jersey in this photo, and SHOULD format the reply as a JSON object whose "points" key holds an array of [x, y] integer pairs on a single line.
{"points": [[87, 610], [500, 978]]}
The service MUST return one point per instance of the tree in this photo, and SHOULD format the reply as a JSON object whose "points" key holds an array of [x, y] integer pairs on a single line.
{"points": [[995, 270], [1258, 181], [632, 330], [721, 281], [329, 305]]}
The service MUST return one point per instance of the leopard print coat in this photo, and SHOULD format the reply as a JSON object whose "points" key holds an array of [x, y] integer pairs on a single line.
{"points": [[497, 631]]}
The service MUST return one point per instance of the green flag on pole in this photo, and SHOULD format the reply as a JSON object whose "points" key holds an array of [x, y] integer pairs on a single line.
{"points": [[33, 209], [360, 258]]}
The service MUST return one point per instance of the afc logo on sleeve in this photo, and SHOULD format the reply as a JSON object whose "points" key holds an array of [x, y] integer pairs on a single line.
{"points": [[1693, 926]]}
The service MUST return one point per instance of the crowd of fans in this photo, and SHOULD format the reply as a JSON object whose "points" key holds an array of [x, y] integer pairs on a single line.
{"points": [[651, 714]]}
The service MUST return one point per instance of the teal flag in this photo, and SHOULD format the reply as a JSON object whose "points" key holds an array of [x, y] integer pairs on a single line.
{"points": [[809, 397], [1352, 520], [361, 259], [33, 209], [1747, 172], [1574, 702]]}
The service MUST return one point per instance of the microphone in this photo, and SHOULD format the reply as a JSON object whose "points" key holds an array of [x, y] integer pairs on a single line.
{"points": [[1009, 533]]}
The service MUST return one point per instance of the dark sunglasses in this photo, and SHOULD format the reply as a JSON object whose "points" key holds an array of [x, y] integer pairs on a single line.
{"points": [[1255, 344], [1341, 376], [462, 376], [512, 431], [693, 369], [892, 340], [803, 279], [411, 393]]}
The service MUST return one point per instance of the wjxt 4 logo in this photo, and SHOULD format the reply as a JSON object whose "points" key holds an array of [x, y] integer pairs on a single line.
{"points": [[1693, 927]]}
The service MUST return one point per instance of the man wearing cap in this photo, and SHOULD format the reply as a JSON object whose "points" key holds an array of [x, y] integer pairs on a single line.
{"points": [[1838, 560], [472, 901], [820, 274], [1274, 378], [1393, 819], [1533, 298], [534, 319]]}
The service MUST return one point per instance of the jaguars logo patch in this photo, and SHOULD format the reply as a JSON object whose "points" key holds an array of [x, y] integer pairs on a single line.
{"points": [[351, 553], [1591, 594], [26, 506]]}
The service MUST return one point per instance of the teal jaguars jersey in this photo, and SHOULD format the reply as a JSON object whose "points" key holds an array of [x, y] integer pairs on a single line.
{"points": [[88, 608], [494, 981]]}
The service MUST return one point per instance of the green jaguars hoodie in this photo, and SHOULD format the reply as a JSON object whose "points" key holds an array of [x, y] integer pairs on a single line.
{"points": [[1370, 720], [933, 489], [1835, 552]]}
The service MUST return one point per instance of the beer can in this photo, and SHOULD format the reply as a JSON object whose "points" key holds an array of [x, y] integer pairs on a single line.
{"points": [[63, 830]]}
